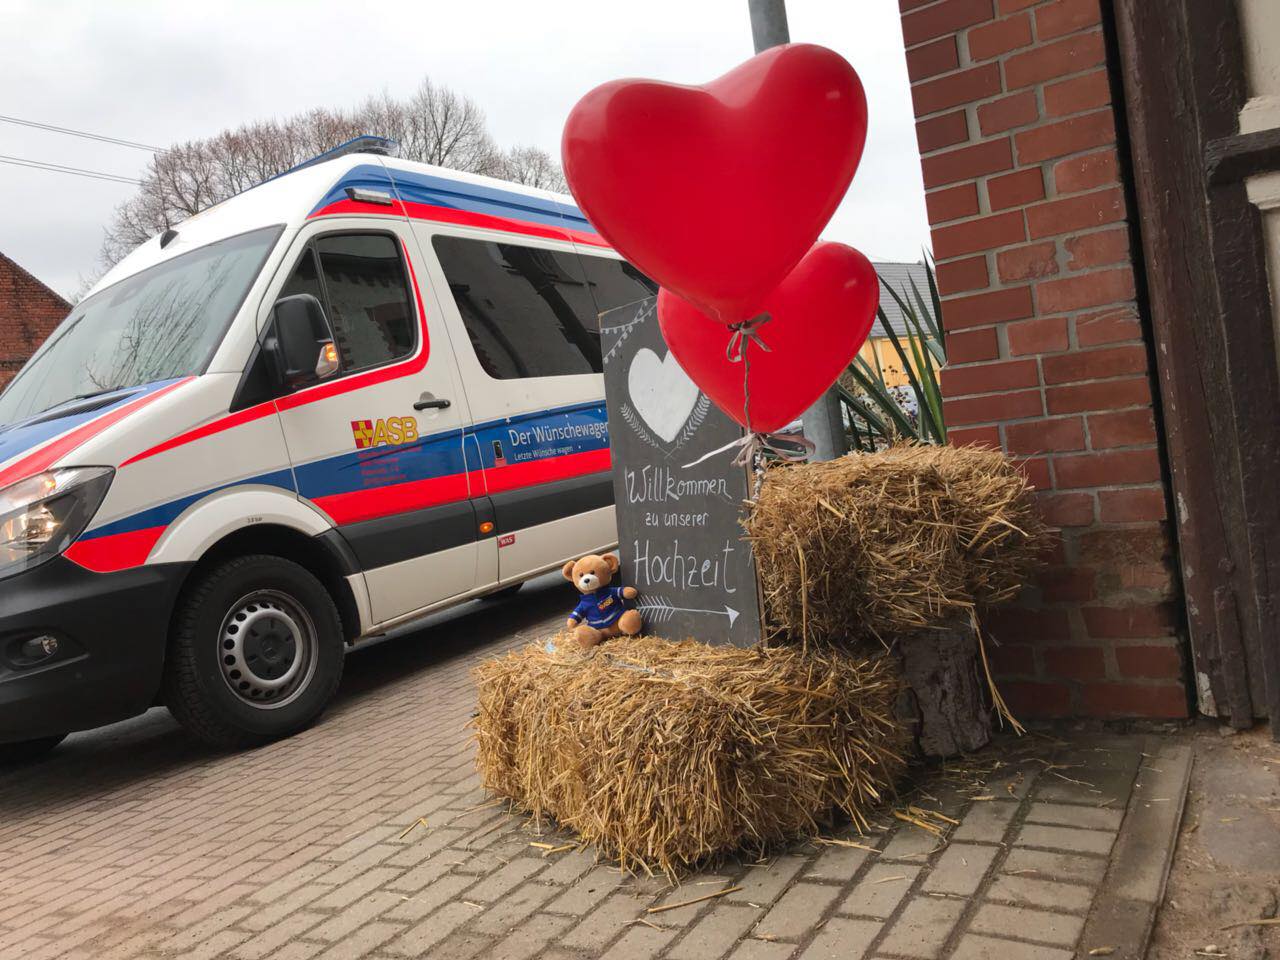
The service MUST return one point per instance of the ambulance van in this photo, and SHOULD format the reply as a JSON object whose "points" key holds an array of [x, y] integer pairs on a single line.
{"points": [[357, 393]]}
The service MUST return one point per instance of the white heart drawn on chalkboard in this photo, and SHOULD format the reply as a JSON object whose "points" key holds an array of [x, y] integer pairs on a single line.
{"points": [[661, 392]]}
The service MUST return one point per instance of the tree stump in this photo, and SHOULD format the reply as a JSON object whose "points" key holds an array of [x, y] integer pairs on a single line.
{"points": [[941, 668]]}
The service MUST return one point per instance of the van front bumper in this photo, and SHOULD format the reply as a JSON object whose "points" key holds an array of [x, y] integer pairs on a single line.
{"points": [[110, 629]]}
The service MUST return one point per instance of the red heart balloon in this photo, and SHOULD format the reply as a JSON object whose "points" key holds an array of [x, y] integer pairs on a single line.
{"points": [[820, 316], [717, 191]]}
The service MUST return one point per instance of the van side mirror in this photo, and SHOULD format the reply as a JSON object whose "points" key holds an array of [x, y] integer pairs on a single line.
{"points": [[303, 344]]}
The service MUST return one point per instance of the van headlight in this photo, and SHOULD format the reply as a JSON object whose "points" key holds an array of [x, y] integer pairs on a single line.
{"points": [[41, 515]]}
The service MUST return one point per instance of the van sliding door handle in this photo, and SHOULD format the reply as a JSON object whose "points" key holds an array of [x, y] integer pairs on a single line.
{"points": [[428, 402]]}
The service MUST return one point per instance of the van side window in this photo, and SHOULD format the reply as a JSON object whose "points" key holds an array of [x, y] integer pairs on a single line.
{"points": [[360, 279], [616, 283], [305, 279], [528, 312]]}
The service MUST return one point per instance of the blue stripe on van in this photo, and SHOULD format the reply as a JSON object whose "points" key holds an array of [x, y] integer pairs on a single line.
{"points": [[164, 514], [425, 188], [567, 430], [561, 431], [18, 438], [435, 455]]}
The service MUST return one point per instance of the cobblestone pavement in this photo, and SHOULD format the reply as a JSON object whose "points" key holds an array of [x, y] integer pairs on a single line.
{"points": [[132, 842]]}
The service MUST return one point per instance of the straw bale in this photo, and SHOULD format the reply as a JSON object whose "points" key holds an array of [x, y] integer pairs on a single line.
{"points": [[878, 544], [667, 754]]}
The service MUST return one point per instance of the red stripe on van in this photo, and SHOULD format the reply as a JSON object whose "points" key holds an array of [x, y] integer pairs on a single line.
{"points": [[320, 391], [374, 502], [216, 426], [467, 218], [532, 472], [59, 447], [123, 550], [115, 552], [358, 208]]}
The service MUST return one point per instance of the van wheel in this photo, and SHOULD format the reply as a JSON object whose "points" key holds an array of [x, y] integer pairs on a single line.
{"points": [[256, 652], [15, 753]]}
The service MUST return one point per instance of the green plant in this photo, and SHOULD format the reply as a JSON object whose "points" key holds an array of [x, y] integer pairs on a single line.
{"points": [[879, 414]]}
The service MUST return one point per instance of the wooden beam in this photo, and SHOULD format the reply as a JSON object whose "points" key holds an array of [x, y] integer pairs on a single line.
{"points": [[1209, 303], [1233, 159]]}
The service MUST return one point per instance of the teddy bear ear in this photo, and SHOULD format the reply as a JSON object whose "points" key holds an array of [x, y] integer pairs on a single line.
{"points": [[612, 562], [567, 569]]}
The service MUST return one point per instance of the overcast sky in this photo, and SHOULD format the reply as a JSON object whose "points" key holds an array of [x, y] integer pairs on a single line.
{"points": [[161, 72]]}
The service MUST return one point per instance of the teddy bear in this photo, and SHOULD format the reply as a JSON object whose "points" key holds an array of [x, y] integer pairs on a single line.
{"points": [[602, 612]]}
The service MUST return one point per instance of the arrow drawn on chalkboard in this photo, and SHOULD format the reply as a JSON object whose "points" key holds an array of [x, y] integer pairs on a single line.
{"points": [[659, 609]]}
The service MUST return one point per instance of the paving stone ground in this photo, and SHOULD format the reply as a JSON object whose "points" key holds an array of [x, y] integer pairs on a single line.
{"points": [[131, 842]]}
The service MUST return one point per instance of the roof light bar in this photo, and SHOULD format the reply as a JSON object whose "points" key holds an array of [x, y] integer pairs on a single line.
{"points": [[380, 146]]}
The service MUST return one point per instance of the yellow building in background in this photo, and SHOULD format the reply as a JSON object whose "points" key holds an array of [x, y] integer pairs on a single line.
{"points": [[878, 346]]}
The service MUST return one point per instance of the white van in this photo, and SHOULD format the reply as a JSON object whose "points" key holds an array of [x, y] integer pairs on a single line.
{"points": [[359, 392]]}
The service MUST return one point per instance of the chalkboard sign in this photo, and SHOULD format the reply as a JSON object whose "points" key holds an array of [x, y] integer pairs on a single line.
{"points": [[678, 530]]}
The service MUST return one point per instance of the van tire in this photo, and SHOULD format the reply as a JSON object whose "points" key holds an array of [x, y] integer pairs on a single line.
{"points": [[196, 686], [27, 750]]}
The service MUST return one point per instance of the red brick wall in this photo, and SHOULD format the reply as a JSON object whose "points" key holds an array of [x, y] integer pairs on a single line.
{"points": [[28, 313], [1047, 359]]}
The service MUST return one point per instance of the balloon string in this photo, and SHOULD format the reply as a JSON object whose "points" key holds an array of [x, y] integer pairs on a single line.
{"points": [[751, 455], [744, 332], [754, 445], [784, 447], [739, 348], [742, 335]]}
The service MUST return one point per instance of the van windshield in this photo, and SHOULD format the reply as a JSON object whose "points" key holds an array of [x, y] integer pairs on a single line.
{"points": [[159, 324]]}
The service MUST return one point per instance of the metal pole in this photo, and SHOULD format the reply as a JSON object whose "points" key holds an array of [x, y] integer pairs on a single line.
{"points": [[823, 422], [768, 23]]}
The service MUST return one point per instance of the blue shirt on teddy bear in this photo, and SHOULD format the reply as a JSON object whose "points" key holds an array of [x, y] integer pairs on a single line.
{"points": [[600, 608]]}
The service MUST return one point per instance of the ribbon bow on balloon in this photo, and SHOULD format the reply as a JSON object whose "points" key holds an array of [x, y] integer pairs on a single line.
{"points": [[752, 445], [744, 332]]}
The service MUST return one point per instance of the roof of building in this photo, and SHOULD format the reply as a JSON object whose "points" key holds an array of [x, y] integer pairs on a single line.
{"points": [[29, 310], [17, 278], [900, 277]]}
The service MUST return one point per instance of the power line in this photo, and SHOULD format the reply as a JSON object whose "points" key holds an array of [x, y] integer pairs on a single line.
{"points": [[74, 171], [80, 133]]}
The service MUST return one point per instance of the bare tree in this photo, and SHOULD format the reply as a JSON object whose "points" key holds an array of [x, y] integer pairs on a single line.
{"points": [[533, 168], [439, 127], [434, 125]]}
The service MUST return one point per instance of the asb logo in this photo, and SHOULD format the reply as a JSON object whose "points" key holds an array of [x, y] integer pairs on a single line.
{"points": [[381, 433]]}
